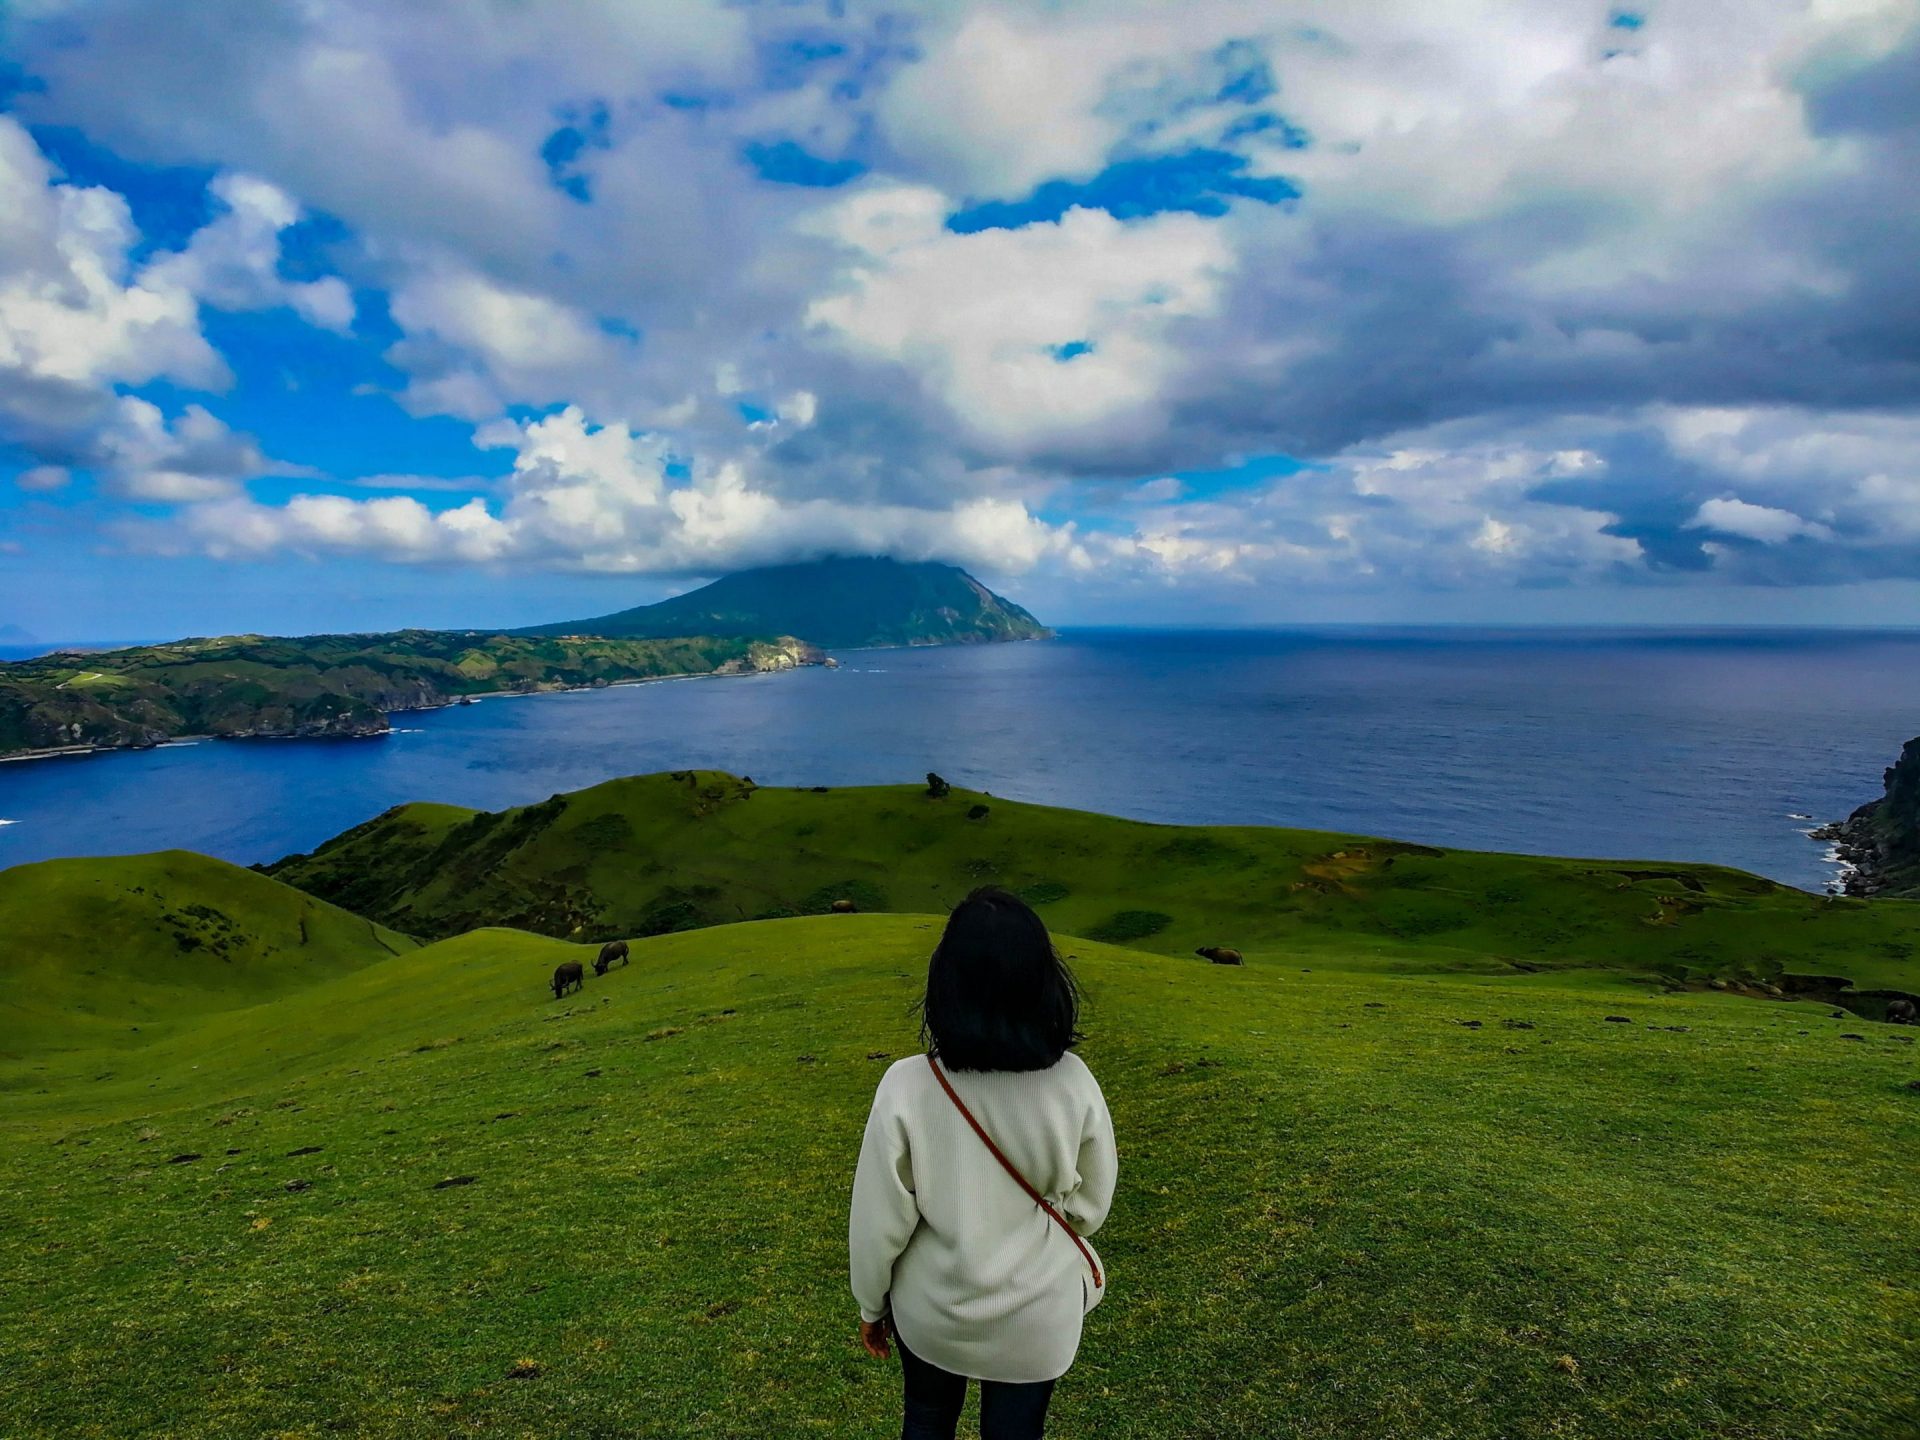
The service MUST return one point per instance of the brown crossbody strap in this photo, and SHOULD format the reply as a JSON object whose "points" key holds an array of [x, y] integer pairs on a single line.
{"points": [[1009, 1167]]}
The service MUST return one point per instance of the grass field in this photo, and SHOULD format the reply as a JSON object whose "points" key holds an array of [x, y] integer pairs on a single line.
{"points": [[112, 955], [1345, 1210]]}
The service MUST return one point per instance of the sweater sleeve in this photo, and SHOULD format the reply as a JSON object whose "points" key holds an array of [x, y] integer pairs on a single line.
{"points": [[1086, 1207], [884, 1211]]}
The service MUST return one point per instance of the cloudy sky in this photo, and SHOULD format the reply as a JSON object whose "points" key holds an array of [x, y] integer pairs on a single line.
{"points": [[346, 314]]}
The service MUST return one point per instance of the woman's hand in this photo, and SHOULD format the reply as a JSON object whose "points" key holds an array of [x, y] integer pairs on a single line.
{"points": [[873, 1338]]}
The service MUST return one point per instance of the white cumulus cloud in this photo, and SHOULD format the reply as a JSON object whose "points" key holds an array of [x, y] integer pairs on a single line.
{"points": [[1032, 335], [233, 262], [602, 498]]}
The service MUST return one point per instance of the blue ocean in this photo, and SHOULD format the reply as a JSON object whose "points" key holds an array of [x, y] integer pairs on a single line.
{"points": [[1718, 746]]}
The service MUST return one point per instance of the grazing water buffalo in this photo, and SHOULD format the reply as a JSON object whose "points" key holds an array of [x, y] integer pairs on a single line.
{"points": [[611, 951], [936, 787], [1220, 955], [844, 907], [1902, 1012], [569, 976]]}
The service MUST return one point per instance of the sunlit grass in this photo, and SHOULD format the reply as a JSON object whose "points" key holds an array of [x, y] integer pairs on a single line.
{"points": [[1343, 1211]]}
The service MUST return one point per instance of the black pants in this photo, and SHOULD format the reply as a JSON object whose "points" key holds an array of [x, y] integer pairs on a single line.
{"points": [[934, 1397]]}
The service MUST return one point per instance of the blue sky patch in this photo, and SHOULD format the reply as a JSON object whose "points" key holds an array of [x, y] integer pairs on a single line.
{"points": [[1072, 350], [791, 62], [584, 130], [1197, 182], [15, 82], [325, 400], [1242, 474], [307, 247], [1627, 20], [1290, 135], [1249, 77], [787, 163], [169, 202]]}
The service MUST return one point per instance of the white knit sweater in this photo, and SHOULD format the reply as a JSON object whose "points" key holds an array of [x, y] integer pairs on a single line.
{"points": [[979, 1281]]}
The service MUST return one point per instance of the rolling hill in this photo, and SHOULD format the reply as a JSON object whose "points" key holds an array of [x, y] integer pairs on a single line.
{"points": [[846, 602], [659, 853], [419, 1196], [1469, 1148], [111, 954]]}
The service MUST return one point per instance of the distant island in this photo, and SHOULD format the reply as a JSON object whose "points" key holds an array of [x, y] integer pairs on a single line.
{"points": [[1880, 842], [846, 604], [255, 686]]}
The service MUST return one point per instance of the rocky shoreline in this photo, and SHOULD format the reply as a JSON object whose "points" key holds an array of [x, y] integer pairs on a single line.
{"points": [[1856, 846], [1878, 845]]}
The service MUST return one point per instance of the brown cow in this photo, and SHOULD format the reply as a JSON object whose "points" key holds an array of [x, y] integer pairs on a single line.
{"points": [[1902, 1012], [569, 976], [1220, 955], [611, 951], [844, 907]]}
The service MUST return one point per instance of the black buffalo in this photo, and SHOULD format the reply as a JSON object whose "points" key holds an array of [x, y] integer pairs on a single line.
{"points": [[611, 951], [1220, 955], [1902, 1012], [570, 976]]}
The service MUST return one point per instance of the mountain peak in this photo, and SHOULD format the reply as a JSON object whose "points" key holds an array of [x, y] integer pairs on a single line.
{"points": [[843, 601]]}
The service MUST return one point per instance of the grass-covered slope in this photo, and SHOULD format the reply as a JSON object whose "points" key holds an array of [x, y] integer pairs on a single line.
{"points": [[1344, 1210], [107, 954], [836, 602], [321, 685], [664, 852]]}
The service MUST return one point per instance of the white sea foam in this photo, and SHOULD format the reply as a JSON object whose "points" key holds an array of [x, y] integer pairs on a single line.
{"points": [[9, 822]]}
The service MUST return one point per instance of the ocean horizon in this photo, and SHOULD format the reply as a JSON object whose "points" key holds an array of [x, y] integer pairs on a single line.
{"points": [[1654, 743]]}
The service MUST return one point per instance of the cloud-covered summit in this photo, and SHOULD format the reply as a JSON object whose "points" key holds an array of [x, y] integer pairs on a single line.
{"points": [[1247, 299]]}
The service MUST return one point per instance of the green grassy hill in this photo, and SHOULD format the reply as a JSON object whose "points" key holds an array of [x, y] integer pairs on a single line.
{"points": [[111, 954], [659, 853], [419, 1196]]}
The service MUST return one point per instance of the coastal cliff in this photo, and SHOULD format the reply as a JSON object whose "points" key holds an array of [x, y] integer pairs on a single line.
{"points": [[763, 656], [1880, 842]]}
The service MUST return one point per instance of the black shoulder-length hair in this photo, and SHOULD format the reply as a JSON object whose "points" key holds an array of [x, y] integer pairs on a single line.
{"points": [[999, 997]]}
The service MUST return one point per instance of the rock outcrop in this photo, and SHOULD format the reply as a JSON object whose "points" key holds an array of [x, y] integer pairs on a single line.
{"points": [[1879, 844], [786, 653]]}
